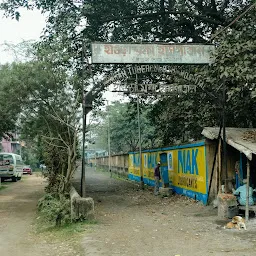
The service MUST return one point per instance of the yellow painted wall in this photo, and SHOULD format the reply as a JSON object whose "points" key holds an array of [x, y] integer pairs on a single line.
{"points": [[149, 160], [187, 169]]}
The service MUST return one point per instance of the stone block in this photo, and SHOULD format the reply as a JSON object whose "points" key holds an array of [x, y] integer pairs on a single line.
{"points": [[226, 203], [165, 191], [81, 208]]}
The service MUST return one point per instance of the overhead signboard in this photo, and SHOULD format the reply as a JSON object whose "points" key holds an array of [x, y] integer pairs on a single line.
{"points": [[151, 53], [153, 88], [170, 70]]}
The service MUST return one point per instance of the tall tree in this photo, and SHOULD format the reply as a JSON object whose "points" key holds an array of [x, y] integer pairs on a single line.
{"points": [[129, 20], [121, 120], [163, 20], [43, 105], [233, 65]]}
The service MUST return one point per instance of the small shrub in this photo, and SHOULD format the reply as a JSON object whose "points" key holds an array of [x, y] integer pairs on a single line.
{"points": [[55, 208]]}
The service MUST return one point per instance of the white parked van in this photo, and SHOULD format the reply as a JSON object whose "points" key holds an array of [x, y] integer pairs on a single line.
{"points": [[11, 166]]}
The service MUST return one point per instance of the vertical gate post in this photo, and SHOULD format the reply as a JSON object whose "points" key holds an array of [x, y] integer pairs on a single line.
{"points": [[247, 191]]}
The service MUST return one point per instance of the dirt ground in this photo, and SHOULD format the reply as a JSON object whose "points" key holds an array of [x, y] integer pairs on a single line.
{"points": [[18, 218], [135, 222], [129, 222]]}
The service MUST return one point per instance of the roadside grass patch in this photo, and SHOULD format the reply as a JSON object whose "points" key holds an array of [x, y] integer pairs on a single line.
{"points": [[67, 236], [54, 218], [65, 231], [114, 175], [102, 170], [3, 187], [5, 184], [119, 177]]}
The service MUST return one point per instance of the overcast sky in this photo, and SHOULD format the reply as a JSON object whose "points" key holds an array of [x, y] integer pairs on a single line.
{"points": [[29, 27]]}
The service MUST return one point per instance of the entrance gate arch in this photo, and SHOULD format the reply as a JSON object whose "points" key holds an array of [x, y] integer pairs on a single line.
{"points": [[118, 53], [127, 72]]}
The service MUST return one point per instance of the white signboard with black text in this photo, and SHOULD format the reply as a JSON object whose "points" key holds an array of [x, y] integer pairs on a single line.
{"points": [[151, 53]]}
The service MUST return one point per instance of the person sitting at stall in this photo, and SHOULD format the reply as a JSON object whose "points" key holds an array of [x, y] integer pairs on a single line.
{"points": [[241, 193]]}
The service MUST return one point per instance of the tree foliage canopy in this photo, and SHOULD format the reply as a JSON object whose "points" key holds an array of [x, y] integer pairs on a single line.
{"points": [[129, 20], [121, 120], [39, 100], [174, 117]]}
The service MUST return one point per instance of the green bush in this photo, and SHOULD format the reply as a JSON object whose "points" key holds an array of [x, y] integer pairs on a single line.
{"points": [[55, 208]]}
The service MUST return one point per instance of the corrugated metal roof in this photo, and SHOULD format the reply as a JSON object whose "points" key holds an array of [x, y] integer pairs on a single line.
{"points": [[242, 139]]}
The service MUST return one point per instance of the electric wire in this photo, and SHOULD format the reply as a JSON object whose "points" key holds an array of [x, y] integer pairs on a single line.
{"points": [[235, 20]]}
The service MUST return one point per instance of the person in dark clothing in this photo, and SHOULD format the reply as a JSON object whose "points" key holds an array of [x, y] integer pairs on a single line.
{"points": [[157, 178]]}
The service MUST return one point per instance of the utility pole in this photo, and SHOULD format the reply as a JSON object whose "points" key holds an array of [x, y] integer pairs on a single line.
{"points": [[82, 192], [86, 108], [139, 131], [109, 153], [224, 137], [83, 150], [95, 158], [247, 191]]}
